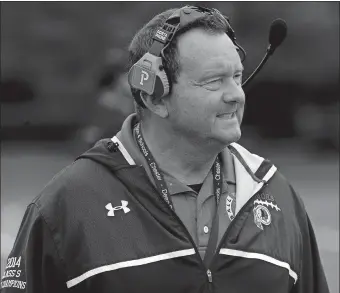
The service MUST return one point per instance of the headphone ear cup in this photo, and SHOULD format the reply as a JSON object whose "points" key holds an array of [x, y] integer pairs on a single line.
{"points": [[162, 87], [149, 75]]}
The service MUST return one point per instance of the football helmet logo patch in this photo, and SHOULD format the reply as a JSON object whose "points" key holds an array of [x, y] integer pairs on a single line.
{"points": [[262, 216], [264, 207]]}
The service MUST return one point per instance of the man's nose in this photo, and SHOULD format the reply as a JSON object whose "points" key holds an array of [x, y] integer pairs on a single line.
{"points": [[233, 93]]}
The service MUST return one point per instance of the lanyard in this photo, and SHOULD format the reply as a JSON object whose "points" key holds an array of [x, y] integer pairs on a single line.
{"points": [[158, 176]]}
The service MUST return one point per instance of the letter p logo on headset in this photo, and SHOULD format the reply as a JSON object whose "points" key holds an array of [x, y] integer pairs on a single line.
{"points": [[145, 76]]}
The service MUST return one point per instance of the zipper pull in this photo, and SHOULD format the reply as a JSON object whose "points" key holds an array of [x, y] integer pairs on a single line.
{"points": [[209, 276]]}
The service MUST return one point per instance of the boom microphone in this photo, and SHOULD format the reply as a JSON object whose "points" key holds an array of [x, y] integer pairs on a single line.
{"points": [[277, 34]]}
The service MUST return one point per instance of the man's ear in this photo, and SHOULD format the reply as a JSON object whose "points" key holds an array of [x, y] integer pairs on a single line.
{"points": [[156, 106]]}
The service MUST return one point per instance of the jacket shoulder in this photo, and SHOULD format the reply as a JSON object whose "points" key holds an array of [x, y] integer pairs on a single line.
{"points": [[73, 191]]}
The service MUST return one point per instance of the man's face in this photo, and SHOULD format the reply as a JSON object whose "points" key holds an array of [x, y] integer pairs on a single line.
{"points": [[207, 101]]}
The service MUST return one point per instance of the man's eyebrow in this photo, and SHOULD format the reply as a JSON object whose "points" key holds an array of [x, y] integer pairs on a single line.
{"points": [[220, 68], [217, 69], [239, 68]]}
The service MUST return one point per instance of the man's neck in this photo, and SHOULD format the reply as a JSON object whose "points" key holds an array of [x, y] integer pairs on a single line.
{"points": [[187, 161]]}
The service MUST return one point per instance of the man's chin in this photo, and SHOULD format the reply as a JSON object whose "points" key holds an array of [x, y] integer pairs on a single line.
{"points": [[234, 138], [228, 137]]}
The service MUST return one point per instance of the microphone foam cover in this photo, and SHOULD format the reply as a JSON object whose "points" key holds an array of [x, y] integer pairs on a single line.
{"points": [[277, 32]]}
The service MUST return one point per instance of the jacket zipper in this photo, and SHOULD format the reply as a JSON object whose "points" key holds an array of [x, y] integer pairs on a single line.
{"points": [[189, 236], [208, 271]]}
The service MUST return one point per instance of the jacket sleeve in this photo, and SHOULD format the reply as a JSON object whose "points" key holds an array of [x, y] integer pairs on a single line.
{"points": [[311, 277], [33, 265]]}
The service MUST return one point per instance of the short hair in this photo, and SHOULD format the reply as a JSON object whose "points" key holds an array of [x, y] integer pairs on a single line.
{"points": [[213, 23]]}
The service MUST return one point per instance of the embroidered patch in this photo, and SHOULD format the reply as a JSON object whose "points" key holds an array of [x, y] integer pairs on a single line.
{"points": [[266, 203], [262, 216], [265, 196], [230, 206]]}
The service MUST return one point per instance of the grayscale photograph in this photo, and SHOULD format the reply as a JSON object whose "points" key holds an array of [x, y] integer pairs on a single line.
{"points": [[174, 147]]}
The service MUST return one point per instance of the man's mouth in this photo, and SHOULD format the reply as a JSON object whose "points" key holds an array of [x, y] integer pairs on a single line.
{"points": [[227, 115]]}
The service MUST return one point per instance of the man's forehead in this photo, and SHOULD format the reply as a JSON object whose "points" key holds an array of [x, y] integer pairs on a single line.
{"points": [[204, 63], [198, 38], [222, 64], [207, 50]]}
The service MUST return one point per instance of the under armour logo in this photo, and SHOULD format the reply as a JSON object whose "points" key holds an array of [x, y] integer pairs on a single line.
{"points": [[144, 76], [111, 212]]}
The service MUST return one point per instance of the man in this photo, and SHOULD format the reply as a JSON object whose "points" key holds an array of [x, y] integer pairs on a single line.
{"points": [[171, 203]]}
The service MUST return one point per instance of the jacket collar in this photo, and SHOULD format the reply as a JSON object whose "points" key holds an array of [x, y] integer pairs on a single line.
{"points": [[252, 172]]}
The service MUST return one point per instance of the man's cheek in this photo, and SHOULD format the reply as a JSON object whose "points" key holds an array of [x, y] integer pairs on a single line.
{"points": [[240, 114]]}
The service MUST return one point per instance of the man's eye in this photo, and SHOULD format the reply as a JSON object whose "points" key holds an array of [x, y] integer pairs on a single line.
{"points": [[213, 84], [215, 81], [238, 78]]}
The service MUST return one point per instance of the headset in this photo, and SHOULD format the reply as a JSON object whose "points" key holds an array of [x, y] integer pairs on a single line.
{"points": [[148, 74]]}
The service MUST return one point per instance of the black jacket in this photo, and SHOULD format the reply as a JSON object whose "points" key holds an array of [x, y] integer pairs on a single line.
{"points": [[100, 226]]}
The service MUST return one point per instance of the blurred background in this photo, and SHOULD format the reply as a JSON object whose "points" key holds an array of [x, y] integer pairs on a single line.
{"points": [[63, 86]]}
